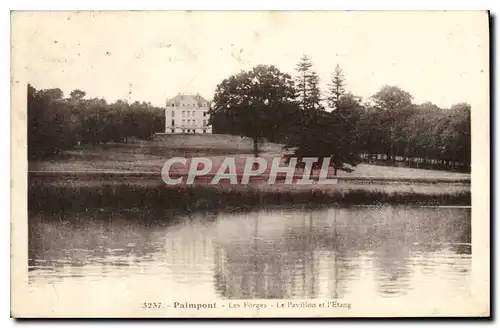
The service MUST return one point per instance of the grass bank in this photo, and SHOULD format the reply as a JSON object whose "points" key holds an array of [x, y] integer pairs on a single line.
{"points": [[150, 155], [147, 155], [65, 195]]}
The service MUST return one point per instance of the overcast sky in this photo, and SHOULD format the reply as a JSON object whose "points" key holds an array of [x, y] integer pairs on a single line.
{"points": [[440, 57]]}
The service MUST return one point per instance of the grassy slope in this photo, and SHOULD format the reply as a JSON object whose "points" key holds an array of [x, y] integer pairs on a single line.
{"points": [[149, 156]]}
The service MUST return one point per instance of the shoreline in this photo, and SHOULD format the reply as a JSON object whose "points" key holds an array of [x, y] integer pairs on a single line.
{"points": [[57, 194], [203, 179]]}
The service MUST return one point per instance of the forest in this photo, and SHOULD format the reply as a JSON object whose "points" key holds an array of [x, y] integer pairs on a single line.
{"points": [[265, 103], [56, 123]]}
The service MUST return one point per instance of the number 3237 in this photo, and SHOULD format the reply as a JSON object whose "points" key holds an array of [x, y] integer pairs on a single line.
{"points": [[151, 305]]}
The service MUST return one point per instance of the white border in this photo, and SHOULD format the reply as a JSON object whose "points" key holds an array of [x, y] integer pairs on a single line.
{"points": [[187, 4]]}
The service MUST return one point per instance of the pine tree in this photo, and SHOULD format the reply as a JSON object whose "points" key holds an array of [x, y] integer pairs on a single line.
{"points": [[304, 70], [307, 84], [336, 90]]}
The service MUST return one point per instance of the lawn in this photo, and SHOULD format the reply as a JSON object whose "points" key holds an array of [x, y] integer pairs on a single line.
{"points": [[149, 156], [130, 176]]}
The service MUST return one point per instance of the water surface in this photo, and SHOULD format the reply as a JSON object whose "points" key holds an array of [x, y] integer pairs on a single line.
{"points": [[344, 253]]}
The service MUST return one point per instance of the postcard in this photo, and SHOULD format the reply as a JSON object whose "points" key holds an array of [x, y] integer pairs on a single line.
{"points": [[250, 164]]}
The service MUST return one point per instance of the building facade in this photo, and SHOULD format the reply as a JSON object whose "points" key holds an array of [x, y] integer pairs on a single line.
{"points": [[187, 114]]}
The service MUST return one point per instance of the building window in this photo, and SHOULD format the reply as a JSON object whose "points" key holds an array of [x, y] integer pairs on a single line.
{"points": [[204, 131], [173, 122], [173, 130], [173, 113], [189, 122], [173, 105], [204, 122], [204, 114]]}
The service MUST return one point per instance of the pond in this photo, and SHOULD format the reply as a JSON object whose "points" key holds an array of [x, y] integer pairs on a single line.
{"points": [[359, 252]]}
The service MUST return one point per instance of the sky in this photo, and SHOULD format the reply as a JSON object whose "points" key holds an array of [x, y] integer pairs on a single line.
{"points": [[441, 57]]}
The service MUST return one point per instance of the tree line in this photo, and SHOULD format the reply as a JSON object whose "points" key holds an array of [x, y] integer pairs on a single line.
{"points": [[56, 123], [265, 103]]}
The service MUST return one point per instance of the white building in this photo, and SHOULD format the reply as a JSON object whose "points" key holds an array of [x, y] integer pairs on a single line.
{"points": [[187, 114]]}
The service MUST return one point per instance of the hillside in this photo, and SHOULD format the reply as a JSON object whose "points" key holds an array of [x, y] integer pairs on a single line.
{"points": [[149, 156]]}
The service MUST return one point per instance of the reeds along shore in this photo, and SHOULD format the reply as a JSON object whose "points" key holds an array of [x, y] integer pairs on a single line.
{"points": [[74, 195]]}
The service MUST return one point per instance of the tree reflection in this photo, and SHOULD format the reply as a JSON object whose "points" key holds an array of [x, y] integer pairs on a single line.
{"points": [[392, 270], [288, 265], [112, 237], [265, 254]]}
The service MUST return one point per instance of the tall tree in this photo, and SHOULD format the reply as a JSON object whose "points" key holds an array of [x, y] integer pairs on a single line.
{"points": [[304, 70], [394, 106], [254, 103], [392, 98], [307, 84], [337, 88], [330, 135]]}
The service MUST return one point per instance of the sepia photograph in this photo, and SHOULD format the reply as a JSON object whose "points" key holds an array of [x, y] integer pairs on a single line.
{"points": [[250, 164]]}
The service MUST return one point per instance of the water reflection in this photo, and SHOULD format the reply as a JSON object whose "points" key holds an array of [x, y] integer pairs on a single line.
{"points": [[328, 253]]}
